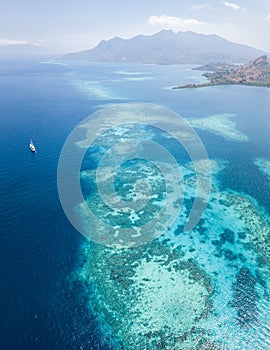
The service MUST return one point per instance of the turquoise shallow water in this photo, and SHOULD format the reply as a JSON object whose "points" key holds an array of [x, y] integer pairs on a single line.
{"points": [[205, 289], [225, 304]]}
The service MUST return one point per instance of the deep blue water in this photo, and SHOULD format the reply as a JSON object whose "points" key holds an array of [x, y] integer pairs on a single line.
{"points": [[40, 307], [39, 247]]}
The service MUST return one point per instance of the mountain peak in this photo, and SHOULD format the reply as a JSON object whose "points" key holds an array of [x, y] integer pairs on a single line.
{"points": [[260, 62], [261, 59]]}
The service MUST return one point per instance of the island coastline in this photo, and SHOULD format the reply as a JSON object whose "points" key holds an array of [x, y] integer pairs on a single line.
{"points": [[254, 73]]}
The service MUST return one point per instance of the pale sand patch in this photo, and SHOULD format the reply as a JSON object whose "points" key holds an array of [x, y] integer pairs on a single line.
{"points": [[220, 124], [263, 165], [165, 298]]}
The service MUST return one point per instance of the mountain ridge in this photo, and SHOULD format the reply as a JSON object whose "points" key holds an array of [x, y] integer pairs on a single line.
{"points": [[167, 47]]}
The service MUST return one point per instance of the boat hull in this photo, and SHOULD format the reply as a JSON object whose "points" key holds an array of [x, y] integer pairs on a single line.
{"points": [[32, 147]]}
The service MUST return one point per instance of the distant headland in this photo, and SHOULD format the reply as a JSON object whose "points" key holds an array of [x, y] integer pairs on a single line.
{"points": [[254, 73]]}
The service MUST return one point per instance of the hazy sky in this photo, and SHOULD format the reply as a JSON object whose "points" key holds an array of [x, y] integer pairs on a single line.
{"points": [[65, 25]]}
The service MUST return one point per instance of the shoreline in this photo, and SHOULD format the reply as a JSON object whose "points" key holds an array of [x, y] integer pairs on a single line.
{"points": [[195, 86]]}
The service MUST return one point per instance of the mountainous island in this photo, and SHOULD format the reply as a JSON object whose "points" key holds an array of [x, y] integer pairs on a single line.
{"points": [[168, 47], [255, 73]]}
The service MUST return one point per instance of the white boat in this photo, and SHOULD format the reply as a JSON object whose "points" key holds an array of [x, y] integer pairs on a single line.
{"points": [[32, 146]]}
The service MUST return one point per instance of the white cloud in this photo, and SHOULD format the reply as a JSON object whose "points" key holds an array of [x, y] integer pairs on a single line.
{"points": [[178, 23], [232, 5], [199, 7], [12, 42], [268, 17]]}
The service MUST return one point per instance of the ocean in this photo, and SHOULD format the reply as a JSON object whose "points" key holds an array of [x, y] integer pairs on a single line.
{"points": [[61, 291]]}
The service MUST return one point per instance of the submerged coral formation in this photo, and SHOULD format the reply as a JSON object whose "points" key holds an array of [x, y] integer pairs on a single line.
{"points": [[175, 292], [245, 296], [150, 297], [182, 289]]}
